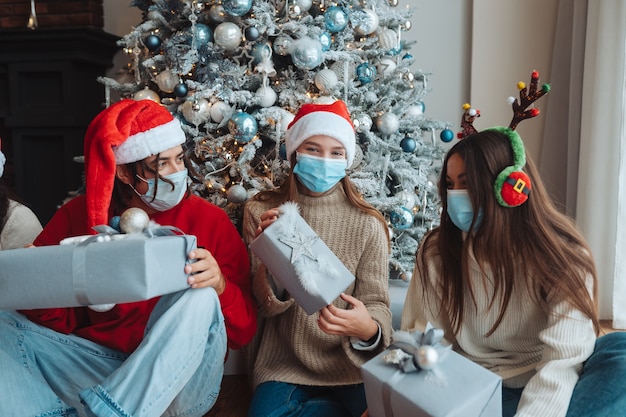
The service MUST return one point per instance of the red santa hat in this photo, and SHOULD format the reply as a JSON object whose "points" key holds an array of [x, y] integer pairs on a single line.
{"points": [[322, 119], [127, 131], [3, 159]]}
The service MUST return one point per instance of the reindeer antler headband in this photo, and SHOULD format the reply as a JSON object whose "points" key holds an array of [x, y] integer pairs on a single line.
{"points": [[512, 185]]}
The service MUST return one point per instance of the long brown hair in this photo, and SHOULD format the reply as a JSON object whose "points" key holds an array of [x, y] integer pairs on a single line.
{"points": [[288, 191], [534, 242]]}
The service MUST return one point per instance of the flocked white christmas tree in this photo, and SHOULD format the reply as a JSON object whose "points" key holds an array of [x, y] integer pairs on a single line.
{"points": [[236, 71]]}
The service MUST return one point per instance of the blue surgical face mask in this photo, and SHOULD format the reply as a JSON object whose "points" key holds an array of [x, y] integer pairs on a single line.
{"points": [[319, 174], [166, 197], [460, 210]]}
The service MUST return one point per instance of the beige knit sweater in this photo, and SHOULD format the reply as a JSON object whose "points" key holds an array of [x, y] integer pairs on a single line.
{"points": [[542, 352], [20, 228], [289, 346]]}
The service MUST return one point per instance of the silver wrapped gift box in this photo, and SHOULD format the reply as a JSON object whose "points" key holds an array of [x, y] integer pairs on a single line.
{"points": [[453, 386], [300, 261], [94, 272]]}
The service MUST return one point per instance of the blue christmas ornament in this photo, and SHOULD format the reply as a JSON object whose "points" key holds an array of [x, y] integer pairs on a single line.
{"points": [[408, 144], [251, 33], [446, 135], [282, 151], [335, 19], [152, 42], [202, 34], [401, 218], [422, 105], [326, 40], [407, 56], [366, 72], [243, 126], [180, 90], [237, 7], [307, 53]]}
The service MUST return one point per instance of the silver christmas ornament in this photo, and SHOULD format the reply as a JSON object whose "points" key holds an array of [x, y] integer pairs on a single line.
{"points": [[387, 123], [228, 35], [134, 220], [427, 357], [237, 194], [146, 94], [167, 81], [196, 111]]}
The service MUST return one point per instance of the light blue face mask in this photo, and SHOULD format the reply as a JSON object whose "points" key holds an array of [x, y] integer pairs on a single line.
{"points": [[319, 174], [166, 197], [460, 210]]}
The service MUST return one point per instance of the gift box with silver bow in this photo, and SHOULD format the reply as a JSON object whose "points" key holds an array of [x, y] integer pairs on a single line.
{"points": [[300, 261], [101, 269], [419, 377]]}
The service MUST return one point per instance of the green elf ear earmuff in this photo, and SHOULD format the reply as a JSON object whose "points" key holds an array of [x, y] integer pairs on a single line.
{"points": [[512, 185]]}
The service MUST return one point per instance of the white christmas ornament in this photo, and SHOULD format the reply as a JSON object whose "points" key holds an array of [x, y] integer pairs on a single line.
{"points": [[388, 39], [414, 110], [325, 100], [197, 111], [427, 357], [304, 5], [237, 194], [147, 94], [134, 220], [167, 80], [326, 79], [218, 111], [365, 122], [228, 35], [267, 95], [387, 123], [368, 22]]}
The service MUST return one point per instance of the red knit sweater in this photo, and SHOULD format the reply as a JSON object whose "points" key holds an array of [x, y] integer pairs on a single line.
{"points": [[123, 327]]}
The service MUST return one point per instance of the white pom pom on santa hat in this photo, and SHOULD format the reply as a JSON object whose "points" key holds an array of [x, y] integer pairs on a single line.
{"points": [[322, 119], [127, 131]]}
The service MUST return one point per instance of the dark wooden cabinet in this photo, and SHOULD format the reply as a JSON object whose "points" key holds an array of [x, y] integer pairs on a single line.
{"points": [[48, 95]]}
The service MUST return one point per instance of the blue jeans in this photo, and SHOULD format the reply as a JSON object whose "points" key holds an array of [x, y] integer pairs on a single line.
{"points": [[600, 391], [280, 399], [176, 370]]}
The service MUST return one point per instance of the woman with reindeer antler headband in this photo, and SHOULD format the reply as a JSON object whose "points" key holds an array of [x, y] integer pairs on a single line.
{"points": [[512, 281]]}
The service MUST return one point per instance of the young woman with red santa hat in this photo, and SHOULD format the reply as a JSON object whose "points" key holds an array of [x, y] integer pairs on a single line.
{"points": [[309, 365], [160, 357]]}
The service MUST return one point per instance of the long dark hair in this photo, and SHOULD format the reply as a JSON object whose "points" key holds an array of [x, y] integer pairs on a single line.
{"points": [[534, 242]]}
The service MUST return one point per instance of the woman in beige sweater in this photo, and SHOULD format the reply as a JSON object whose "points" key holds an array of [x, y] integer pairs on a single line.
{"points": [[512, 284], [309, 365]]}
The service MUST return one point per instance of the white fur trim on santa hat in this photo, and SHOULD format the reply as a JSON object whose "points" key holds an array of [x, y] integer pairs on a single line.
{"points": [[321, 123], [3, 159], [150, 142]]}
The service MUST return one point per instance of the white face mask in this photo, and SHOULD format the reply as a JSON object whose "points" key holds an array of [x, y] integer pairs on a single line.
{"points": [[166, 197]]}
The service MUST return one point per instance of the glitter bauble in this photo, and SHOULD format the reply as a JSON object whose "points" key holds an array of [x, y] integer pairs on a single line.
{"points": [[228, 35], [134, 220], [387, 123]]}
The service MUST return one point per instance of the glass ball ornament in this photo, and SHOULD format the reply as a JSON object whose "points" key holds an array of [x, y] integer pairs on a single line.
{"points": [[366, 72], [427, 357], [167, 81], [326, 79], [407, 198], [408, 144], [267, 96], [147, 94], [446, 135], [251, 33], [326, 41], [196, 111], [386, 66], [237, 7], [243, 126], [335, 19], [237, 194], [367, 22], [307, 53], [283, 45], [401, 218], [219, 110], [371, 97], [260, 52], [181, 90], [134, 220], [393, 3], [227, 35], [217, 13], [152, 42], [202, 34], [365, 122], [387, 123]]}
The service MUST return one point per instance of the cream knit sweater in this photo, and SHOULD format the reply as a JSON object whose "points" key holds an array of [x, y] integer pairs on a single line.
{"points": [[542, 352], [289, 346]]}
